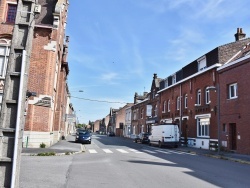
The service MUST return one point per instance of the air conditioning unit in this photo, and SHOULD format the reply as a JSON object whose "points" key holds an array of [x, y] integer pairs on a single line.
{"points": [[38, 9]]}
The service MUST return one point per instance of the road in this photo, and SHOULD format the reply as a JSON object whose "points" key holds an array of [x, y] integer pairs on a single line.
{"points": [[119, 162]]}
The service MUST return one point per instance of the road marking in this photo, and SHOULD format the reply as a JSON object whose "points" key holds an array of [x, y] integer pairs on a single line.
{"points": [[135, 151], [121, 150], [148, 151], [107, 151], [92, 151], [162, 151]]}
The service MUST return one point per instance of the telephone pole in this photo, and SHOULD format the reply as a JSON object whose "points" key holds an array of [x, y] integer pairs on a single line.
{"points": [[12, 117]]}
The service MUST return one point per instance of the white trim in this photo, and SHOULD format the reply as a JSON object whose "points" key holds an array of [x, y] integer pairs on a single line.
{"points": [[192, 76], [177, 118], [233, 62], [202, 116], [183, 117]]}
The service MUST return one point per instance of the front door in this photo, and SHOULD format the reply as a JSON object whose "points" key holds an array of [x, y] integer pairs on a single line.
{"points": [[232, 136]]}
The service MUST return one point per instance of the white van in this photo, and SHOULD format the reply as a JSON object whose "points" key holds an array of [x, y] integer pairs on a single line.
{"points": [[165, 134]]}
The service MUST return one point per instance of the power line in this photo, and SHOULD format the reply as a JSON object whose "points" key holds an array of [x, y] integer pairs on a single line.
{"points": [[98, 100]]}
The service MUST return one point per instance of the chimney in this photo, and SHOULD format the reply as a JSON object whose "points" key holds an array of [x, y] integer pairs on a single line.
{"points": [[155, 75], [239, 35]]}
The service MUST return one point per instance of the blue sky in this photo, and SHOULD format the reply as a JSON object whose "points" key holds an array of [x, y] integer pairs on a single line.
{"points": [[117, 45]]}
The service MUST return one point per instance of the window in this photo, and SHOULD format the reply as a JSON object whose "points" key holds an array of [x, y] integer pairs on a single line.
{"points": [[142, 112], [178, 103], [4, 56], [11, 13], [198, 102], [207, 96], [156, 110], [134, 115], [174, 79], [203, 127], [166, 83], [202, 64], [224, 128], [168, 105], [233, 91], [164, 106], [186, 101]]}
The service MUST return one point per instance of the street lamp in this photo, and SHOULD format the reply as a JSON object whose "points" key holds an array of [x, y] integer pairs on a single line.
{"points": [[217, 89]]}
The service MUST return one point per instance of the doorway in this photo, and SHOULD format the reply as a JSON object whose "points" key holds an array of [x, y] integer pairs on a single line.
{"points": [[232, 136]]}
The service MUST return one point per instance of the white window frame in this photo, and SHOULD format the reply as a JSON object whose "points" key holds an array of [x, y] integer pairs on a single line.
{"points": [[178, 103], [169, 105], [198, 101], [156, 110], [5, 44], [202, 63], [233, 91], [164, 106], [186, 101], [174, 79], [203, 125], [166, 83], [207, 95]]}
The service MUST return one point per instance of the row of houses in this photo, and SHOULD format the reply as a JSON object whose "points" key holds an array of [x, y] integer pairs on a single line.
{"points": [[49, 114], [208, 98]]}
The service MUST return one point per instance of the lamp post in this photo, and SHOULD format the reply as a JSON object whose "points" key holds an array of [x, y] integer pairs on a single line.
{"points": [[217, 89]]}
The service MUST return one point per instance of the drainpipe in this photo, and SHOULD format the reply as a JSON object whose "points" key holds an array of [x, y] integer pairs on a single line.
{"points": [[180, 110]]}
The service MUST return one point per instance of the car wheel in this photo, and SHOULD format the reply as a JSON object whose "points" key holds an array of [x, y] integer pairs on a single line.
{"points": [[89, 142]]}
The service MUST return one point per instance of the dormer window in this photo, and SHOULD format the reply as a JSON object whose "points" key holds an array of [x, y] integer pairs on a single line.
{"points": [[202, 63], [174, 79], [166, 83]]}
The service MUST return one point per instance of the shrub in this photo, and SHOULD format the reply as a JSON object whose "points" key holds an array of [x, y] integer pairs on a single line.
{"points": [[42, 145]]}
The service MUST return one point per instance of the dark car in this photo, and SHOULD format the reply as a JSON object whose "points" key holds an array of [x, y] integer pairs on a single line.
{"points": [[142, 137], [111, 134], [83, 137]]}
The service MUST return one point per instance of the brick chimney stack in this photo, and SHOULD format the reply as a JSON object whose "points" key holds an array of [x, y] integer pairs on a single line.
{"points": [[239, 35]]}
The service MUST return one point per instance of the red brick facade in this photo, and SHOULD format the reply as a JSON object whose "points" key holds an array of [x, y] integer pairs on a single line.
{"points": [[46, 114], [234, 113]]}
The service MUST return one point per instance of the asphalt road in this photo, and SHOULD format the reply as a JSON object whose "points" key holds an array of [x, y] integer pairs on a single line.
{"points": [[119, 162]]}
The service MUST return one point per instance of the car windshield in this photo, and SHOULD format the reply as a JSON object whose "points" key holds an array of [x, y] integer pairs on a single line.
{"points": [[84, 133]]}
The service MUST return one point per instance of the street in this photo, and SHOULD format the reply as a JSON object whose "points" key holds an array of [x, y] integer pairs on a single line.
{"points": [[119, 162]]}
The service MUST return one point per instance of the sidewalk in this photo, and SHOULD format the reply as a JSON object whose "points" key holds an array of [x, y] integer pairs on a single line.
{"points": [[63, 147], [245, 159]]}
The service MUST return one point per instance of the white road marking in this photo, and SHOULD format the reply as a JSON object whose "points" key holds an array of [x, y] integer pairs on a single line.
{"points": [[135, 151], [121, 150], [107, 151], [148, 151], [92, 151]]}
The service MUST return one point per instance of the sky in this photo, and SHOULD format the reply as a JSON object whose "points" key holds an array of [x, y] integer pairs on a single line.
{"points": [[116, 46]]}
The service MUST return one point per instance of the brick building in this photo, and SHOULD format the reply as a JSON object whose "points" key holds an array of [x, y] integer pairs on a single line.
{"points": [[48, 71], [185, 97], [234, 103]]}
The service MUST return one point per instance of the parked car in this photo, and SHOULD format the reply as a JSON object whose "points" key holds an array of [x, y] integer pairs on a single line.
{"points": [[142, 137], [165, 134], [111, 134], [83, 136]]}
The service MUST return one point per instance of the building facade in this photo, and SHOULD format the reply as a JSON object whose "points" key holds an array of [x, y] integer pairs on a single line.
{"points": [[234, 103], [46, 114]]}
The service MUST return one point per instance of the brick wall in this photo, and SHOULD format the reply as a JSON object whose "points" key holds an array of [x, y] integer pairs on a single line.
{"points": [[236, 111]]}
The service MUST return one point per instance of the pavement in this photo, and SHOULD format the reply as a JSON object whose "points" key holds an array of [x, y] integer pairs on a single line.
{"points": [[69, 147]]}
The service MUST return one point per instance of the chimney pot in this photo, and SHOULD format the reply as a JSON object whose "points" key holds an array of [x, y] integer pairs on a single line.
{"points": [[239, 35]]}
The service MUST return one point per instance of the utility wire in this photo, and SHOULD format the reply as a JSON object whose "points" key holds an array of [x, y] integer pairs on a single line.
{"points": [[97, 100]]}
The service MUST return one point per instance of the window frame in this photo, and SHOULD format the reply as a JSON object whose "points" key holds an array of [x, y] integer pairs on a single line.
{"points": [[178, 103], [203, 128], [198, 100], [168, 105], [235, 91], [186, 101], [11, 14], [207, 95]]}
